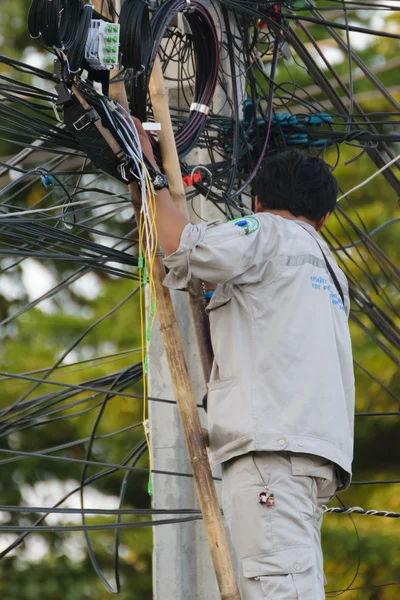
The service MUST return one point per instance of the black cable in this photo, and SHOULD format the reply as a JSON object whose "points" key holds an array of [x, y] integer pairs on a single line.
{"points": [[358, 554], [55, 22], [136, 45], [335, 25], [369, 235], [206, 48], [75, 53]]}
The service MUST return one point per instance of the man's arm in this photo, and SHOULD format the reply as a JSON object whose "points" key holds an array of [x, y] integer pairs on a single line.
{"points": [[170, 222], [214, 253]]}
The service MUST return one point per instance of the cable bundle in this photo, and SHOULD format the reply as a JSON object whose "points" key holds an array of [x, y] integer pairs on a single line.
{"points": [[64, 25], [207, 56], [206, 49], [136, 47], [55, 21], [136, 37], [76, 52], [123, 127]]}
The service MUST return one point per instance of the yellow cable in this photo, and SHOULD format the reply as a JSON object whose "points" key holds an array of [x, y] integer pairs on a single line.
{"points": [[147, 226]]}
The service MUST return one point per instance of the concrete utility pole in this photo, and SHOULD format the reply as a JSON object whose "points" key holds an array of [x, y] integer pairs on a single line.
{"points": [[182, 566], [171, 338]]}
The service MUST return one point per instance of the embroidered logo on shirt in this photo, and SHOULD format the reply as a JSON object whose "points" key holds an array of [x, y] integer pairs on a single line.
{"points": [[248, 224]]}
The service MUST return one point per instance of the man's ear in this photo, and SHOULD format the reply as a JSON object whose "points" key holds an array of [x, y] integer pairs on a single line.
{"points": [[258, 207], [319, 224]]}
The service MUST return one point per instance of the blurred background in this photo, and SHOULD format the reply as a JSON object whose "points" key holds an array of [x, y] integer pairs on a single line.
{"points": [[98, 316]]}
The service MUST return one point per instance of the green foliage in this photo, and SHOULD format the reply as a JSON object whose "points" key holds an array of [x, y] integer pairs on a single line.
{"points": [[14, 31], [37, 341]]}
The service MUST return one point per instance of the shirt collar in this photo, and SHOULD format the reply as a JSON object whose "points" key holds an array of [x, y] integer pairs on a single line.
{"points": [[307, 226]]}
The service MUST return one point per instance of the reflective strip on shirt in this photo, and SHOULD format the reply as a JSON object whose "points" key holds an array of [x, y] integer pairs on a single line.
{"points": [[298, 261]]}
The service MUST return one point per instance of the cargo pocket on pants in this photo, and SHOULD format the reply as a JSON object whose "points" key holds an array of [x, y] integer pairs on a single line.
{"points": [[304, 487], [283, 574]]}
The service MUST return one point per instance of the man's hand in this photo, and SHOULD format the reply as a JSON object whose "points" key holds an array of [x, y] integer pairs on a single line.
{"points": [[170, 222]]}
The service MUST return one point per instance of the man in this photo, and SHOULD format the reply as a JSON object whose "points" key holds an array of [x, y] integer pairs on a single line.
{"points": [[281, 395]]}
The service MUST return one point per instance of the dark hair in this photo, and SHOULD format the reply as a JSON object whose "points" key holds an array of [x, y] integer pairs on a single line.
{"points": [[301, 184]]}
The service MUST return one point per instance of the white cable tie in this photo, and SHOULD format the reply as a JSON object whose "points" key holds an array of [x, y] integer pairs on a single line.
{"points": [[200, 108]]}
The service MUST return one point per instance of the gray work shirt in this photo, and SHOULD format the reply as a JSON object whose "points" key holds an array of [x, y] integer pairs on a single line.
{"points": [[282, 378]]}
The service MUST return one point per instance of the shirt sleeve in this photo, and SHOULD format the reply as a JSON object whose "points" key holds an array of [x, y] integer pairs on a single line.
{"points": [[217, 253]]}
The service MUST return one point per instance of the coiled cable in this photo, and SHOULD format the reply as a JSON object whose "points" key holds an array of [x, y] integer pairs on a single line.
{"points": [[54, 21], [206, 50], [76, 53], [136, 47]]}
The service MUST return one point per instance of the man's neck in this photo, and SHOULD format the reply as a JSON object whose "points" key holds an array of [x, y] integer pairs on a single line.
{"points": [[285, 214]]}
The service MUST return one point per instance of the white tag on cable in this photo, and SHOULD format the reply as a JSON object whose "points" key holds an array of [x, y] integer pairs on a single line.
{"points": [[202, 108], [151, 126]]}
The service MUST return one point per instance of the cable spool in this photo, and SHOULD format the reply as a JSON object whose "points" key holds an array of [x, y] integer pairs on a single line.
{"points": [[207, 54]]}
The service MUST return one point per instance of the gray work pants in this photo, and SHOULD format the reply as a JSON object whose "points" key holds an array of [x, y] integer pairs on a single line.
{"points": [[277, 548]]}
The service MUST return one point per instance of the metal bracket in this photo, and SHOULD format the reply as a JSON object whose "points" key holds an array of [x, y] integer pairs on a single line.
{"points": [[85, 120]]}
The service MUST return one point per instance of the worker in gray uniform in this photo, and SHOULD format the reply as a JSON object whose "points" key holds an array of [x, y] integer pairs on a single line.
{"points": [[281, 394]]}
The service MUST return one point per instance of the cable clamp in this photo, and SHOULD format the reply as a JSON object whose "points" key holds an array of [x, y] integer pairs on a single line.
{"points": [[122, 170], [139, 73], [86, 119], [202, 108]]}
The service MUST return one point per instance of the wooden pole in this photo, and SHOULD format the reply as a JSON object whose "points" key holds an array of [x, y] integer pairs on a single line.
{"points": [[170, 334], [180, 377], [171, 167]]}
